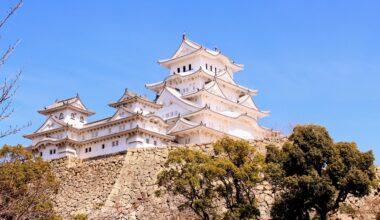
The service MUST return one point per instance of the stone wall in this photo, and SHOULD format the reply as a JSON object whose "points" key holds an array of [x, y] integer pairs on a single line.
{"points": [[122, 186]]}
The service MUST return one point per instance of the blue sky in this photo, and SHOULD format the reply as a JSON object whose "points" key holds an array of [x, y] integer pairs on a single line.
{"points": [[312, 61]]}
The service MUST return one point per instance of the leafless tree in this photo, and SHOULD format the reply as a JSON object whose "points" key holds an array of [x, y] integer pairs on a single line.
{"points": [[8, 86]]}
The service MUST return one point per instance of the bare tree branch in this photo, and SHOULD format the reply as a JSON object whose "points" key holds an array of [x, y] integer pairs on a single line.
{"points": [[9, 86], [9, 51], [12, 10]]}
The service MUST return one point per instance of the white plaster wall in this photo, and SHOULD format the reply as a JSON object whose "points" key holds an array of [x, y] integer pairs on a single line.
{"points": [[212, 62], [124, 143], [195, 63], [46, 152], [67, 117], [138, 107], [172, 108]]}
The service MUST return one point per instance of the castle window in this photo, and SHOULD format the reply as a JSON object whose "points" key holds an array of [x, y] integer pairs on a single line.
{"points": [[103, 146], [81, 119], [178, 70], [86, 150], [94, 134], [206, 66], [184, 68], [109, 130], [190, 67], [89, 149], [126, 140], [215, 69], [72, 116], [147, 140], [41, 154], [115, 143], [61, 116], [210, 67], [155, 143]]}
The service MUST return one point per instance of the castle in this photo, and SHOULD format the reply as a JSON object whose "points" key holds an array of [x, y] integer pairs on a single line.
{"points": [[197, 103]]}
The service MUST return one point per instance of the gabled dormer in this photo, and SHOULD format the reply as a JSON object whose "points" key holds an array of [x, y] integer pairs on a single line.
{"points": [[135, 103], [71, 111]]}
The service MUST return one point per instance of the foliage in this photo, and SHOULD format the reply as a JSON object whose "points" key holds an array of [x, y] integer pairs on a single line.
{"points": [[314, 174], [348, 209], [80, 216], [25, 185], [212, 183]]}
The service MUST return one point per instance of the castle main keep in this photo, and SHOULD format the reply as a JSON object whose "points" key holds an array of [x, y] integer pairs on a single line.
{"points": [[197, 103]]}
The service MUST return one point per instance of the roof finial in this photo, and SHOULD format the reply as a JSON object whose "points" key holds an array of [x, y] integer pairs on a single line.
{"points": [[77, 95], [183, 35]]}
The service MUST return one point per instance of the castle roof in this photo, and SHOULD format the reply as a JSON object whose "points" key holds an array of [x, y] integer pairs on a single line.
{"points": [[174, 93], [129, 97], [202, 128], [248, 109], [188, 48], [222, 77], [228, 114], [137, 129], [74, 103]]}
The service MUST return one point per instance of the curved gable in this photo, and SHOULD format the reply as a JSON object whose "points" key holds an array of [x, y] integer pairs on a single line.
{"points": [[50, 124]]}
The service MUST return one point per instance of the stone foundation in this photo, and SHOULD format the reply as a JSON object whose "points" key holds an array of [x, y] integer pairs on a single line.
{"points": [[122, 186]]}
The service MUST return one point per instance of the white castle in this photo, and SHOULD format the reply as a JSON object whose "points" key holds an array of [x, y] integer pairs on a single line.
{"points": [[199, 102]]}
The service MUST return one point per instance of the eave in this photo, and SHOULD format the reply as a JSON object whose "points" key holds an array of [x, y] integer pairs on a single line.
{"points": [[101, 138], [203, 52], [207, 109], [156, 87], [260, 114], [135, 99], [173, 92], [201, 127], [52, 110]]}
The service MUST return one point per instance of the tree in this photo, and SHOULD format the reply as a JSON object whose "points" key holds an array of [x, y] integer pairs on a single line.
{"points": [[26, 185], [8, 86], [314, 175], [215, 186]]}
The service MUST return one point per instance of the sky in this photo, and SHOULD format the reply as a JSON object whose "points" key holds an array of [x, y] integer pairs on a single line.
{"points": [[313, 62]]}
